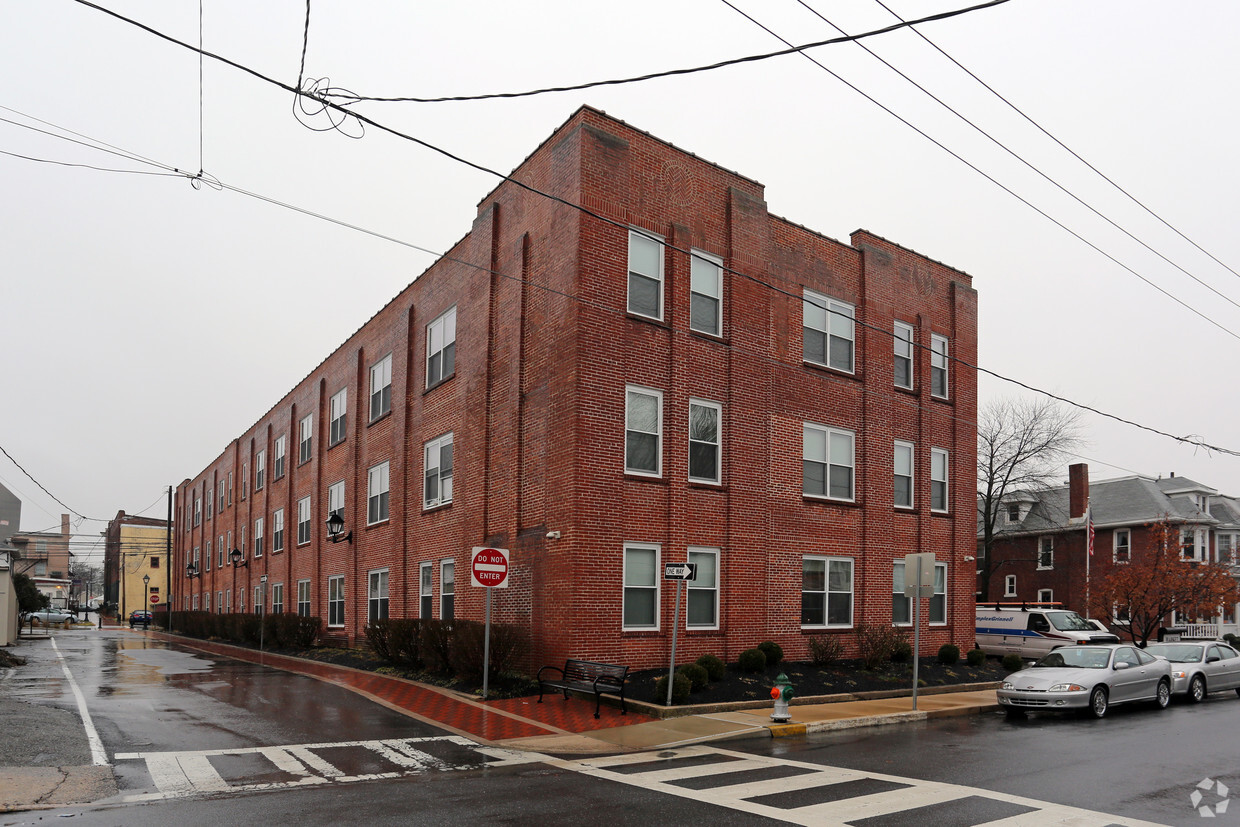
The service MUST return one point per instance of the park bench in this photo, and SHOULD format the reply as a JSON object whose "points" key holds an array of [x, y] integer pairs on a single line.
{"points": [[585, 676]]}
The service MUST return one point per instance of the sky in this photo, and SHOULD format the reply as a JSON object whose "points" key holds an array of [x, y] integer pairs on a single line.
{"points": [[149, 319]]}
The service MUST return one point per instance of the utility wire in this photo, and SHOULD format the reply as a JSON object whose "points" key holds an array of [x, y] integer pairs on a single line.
{"points": [[45, 491]]}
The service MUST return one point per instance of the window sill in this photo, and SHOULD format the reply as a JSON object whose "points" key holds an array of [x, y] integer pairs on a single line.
{"points": [[380, 418], [426, 509], [910, 391], [640, 632], [650, 320], [384, 521], [340, 441], [706, 485], [843, 374], [911, 510], [636, 477], [848, 628], [277, 478], [304, 461], [1045, 568], [817, 498], [440, 383], [946, 400], [937, 513]]}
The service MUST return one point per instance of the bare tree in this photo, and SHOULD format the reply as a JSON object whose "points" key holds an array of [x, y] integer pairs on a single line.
{"points": [[1021, 446]]}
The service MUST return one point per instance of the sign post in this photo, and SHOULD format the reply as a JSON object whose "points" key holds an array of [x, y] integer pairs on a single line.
{"points": [[918, 583], [679, 572], [488, 568]]}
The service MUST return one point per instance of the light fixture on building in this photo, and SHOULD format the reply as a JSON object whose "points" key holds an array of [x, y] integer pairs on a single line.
{"points": [[335, 525], [237, 558], [191, 571]]}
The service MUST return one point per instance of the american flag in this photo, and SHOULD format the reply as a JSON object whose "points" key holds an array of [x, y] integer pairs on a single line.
{"points": [[1089, 529]]}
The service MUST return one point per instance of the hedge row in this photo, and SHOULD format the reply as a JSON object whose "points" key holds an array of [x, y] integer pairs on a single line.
{"points": [[447, 646], [279, 631]]}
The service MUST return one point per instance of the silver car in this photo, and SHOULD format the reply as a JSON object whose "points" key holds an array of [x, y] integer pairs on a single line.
{"points": [[1200, 668], [1087, 677], [47, 617]]}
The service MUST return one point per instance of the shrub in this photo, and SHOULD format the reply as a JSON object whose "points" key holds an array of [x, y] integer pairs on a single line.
{"points": [[714, 667], [752, 660], [976, 657], [877, 643], [901, 652], [1013, 663], [696, 674], [680, 688], [949, 653], [508, 647], [773, 651], [435, 644], [1232, 638], [825, 650], [395, 640]]}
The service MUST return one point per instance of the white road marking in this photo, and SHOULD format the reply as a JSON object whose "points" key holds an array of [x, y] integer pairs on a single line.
{"points": [[98, 755]]}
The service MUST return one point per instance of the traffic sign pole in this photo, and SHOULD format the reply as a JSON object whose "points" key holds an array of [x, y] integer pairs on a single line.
{"points": [[488, 568], [486, 649], [671, 669]]}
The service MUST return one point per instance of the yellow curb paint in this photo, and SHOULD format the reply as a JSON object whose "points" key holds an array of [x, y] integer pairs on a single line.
{"points": [[786, 730]]}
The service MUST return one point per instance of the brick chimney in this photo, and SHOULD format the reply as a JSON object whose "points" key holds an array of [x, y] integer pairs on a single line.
{"points": [[1078, 490]]}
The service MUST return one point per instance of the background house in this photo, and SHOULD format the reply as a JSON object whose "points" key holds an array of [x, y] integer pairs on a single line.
{"points": [[135, 547], [45, 557]]}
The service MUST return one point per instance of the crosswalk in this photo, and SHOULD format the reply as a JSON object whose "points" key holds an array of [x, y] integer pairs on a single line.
{"points": [[798, 792]]}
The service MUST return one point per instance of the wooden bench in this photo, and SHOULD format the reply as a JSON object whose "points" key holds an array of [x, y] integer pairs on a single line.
{"points": [[585, 676]]}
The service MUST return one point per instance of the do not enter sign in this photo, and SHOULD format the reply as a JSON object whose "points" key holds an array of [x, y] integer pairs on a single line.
{"points": [[489, 567]]}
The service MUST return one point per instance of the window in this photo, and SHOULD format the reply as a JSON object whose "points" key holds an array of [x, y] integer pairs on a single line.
{"points": [[903, 494], [195, 602], [705, 293], [1009, 586], [197, 511], [377, 494], [210, 500], [241, 545], [335, 498], [827, 462], [643, 431], [277, 530], [335, 600], [306, 441], [1121, 615], [702, 608], [245, 479], [426, 591], [277, 598], [1046, 595], [230, 487], [221, 496], [228, 600], [277, 469], [1013, 513], [258, 537], [207, 557], [377, 596], [938, 366], [1046, 552], [339, 418], [447, 590], [438, 489], [826, 591], [641, 587], [303, 598], [241, 600], [154, 562], [219, 553], [206, 602], [902, 606], [260, 469], [303, 521], [903, 346], [258, 599], [938, 479], [828, 331], [1226, 549], [1193, 544], [1122, 545], [441, 348], [381, 387], [704, 440], [645, 274]]}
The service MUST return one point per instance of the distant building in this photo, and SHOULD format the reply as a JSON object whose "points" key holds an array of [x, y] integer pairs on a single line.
{"points": [[10, 521], [44, 556], [134, 548], [10, 517]]}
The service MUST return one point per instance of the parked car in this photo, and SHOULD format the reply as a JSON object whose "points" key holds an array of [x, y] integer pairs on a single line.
{"points": [[1087, 677], [139, 616], [1200, 668], [1032, 629], [50, 616]]}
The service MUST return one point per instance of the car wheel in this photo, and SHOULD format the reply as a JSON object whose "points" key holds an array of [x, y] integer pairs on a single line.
{"points": [[1164, 693], [1098, 701], [1197, 689]]}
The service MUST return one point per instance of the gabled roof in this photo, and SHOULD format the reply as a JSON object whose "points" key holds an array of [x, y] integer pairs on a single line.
{"points": [[1226, 510]]}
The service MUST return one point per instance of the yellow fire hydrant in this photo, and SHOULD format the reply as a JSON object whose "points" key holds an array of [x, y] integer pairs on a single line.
{"points": [[782, 693]]}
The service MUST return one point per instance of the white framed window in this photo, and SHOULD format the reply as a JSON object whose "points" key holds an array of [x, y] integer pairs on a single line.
{"points": [[641, 586], [1013, 512], [230, 487], [208, 554], [702, 602], [377, 494], [210, 500], [206, 601], [826, 592], [706, 293], [241, 600], [938, 366], [1046, 553], [229, 546], [338, 419], [829, 332], [335, 498], [260, 469], [1226, 545], [1193, 544], [447, 590], [438, 478], [220, 551], [1121, 545], [441, 348], [938, 480], [645, 274], [277, 598], [426, 591], [245, 479], [1009, 586], [902, 495], [377, 596], [277, 530], [197, 511], [195, 602], [643, 431], [827, 462], [221, 495], [704, 440], [902, 343], [1046, 595], [303, 598], [902, 606], [305, 443], [258, 537], [241, 545], [219, 602], [335, 600], [258, 599], [277, 465], [381, 388], [1120, 614], [228, 600], [303, 521]]}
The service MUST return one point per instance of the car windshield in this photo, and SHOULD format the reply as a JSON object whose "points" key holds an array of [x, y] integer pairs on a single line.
{"points": [[1176, 652], [1068, 622], [1078, 656]]}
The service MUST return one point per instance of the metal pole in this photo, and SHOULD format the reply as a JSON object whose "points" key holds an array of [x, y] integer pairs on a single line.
{"points": [[671, 669], [486, 650], [262, 611], [168, 563], [916, 630]]}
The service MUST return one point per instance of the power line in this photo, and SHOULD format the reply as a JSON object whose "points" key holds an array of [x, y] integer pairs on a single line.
{"points": [[45, 491]]}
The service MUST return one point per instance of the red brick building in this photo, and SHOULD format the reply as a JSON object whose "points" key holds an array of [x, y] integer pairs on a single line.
{"points": [[668, 372]]}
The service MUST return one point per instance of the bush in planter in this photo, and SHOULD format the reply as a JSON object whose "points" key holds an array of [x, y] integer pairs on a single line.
{"points": [[949, 653], [508, 647], [976, 657], [714, 667], [435, 644], [752, 660], [773, 651], [875, 643], [680, 689], [696, 674], [1013, 663], [825, 650], [901, 651]]}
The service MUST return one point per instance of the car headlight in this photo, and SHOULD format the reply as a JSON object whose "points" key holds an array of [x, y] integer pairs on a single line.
{"points": [[1067, 687], [1008, 685], [1179, 673]]}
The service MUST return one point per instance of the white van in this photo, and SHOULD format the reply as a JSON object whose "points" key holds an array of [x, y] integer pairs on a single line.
{"points": [[1032, 629]]}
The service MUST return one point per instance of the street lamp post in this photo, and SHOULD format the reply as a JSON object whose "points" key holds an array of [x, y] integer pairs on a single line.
{"points": [[146, 601], [262, 611]]}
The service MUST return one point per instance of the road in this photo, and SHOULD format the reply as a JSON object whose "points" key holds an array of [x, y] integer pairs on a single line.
{"points": [[199, 740]]}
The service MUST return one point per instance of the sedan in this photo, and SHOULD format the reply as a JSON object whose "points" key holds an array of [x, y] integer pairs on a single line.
{"points": [[139, 617], [1087, 677], [1200, 668], [50, 616]]}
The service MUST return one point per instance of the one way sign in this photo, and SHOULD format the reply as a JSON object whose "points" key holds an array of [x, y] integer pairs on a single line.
{"points": [[680, 571]]}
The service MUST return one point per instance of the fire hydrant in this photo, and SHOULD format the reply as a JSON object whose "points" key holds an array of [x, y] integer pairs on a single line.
{"points": [[782, 693]]}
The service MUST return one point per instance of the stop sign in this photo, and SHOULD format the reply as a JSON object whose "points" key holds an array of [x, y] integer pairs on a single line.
{"points": [[489, 567], [154, 598]]}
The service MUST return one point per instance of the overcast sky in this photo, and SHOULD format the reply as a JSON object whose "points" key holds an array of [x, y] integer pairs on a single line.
{"points": [[147, 323]]}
